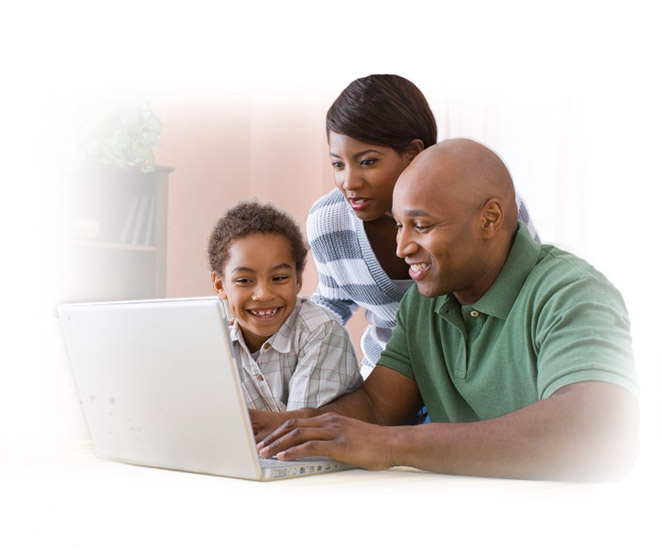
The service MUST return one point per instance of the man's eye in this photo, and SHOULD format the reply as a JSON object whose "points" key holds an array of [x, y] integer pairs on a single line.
{"points": [[422, 228]]}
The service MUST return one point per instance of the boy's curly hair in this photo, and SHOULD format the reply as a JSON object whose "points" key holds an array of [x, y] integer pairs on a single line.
{"points": [[246, 218]]}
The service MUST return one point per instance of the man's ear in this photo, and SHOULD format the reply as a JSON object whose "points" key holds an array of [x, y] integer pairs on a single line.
{"points": [[218, 285], [414, 148], [491, 218]]}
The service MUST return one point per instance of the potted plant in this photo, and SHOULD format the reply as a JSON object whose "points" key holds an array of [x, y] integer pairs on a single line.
{"points": [[117, 172], [123, 136]]}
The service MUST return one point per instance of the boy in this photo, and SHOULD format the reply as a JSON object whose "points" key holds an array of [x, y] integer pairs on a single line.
{"points": [[291, 353]]}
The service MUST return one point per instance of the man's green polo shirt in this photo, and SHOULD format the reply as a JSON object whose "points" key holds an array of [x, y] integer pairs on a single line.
{"points": [[548, 320]]}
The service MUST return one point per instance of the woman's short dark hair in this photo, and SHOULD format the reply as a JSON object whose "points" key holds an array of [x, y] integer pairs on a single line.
{"points": [[247, 218], [383, 109]]}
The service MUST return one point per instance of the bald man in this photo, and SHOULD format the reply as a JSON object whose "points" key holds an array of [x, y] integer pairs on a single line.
{"points": [[521, 352]]}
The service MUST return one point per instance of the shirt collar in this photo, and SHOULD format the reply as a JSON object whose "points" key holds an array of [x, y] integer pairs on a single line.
{"points": [[499, 298], [281, 340], [522, 258]]}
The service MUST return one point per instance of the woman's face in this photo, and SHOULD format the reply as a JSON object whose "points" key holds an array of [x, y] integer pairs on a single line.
{"points": [[366, 173]]}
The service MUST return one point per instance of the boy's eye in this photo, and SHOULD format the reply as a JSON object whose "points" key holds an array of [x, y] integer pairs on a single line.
{"points": [[280, 278], [242, 281]]}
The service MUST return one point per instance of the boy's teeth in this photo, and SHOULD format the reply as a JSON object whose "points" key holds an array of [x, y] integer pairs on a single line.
{"points": [[264, 312]]}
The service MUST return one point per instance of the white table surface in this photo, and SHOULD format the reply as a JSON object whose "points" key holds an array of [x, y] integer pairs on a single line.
{"points": [[64, 497]]}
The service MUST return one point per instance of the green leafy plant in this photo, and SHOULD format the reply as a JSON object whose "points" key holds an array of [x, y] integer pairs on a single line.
{"points": [[123, 136]]}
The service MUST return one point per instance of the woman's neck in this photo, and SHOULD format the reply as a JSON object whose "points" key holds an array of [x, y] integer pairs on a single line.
{"points": [[381, 234]]}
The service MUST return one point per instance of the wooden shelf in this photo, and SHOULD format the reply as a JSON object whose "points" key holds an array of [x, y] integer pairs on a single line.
{"points": [[125, 257]]}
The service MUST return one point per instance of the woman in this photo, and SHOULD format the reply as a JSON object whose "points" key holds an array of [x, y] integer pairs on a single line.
{"points": [[375, 128]]}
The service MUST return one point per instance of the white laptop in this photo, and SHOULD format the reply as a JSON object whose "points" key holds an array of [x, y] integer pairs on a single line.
{"points": [[160, 387]]}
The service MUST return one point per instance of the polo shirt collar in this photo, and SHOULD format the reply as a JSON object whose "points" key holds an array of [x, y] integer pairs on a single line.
{"points": [[522, 258], [500, 297]]}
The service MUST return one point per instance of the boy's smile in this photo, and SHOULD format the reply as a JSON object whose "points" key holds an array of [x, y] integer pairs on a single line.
{"points": [[265, 314], [260, 284]]}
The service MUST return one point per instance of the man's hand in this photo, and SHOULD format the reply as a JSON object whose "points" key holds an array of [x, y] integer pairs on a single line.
{"points": [[334, 436], [385, 398], [265, 422], [350, 429]]}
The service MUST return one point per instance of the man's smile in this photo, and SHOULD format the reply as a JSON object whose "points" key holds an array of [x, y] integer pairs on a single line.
{"points": [[418, 270]]}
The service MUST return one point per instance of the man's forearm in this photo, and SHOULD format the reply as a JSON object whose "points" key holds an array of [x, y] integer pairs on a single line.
{"points": [[371, 403], [356, 404], [588, 432]]}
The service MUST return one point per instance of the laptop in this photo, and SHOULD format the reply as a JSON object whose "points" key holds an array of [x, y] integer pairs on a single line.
{"points": [[160, 387]]}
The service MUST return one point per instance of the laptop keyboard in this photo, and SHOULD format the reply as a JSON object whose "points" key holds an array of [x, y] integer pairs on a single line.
{"points": [[275, 463]]}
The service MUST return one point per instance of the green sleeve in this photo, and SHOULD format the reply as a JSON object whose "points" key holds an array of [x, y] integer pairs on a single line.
{"points": [[583, 334]]}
